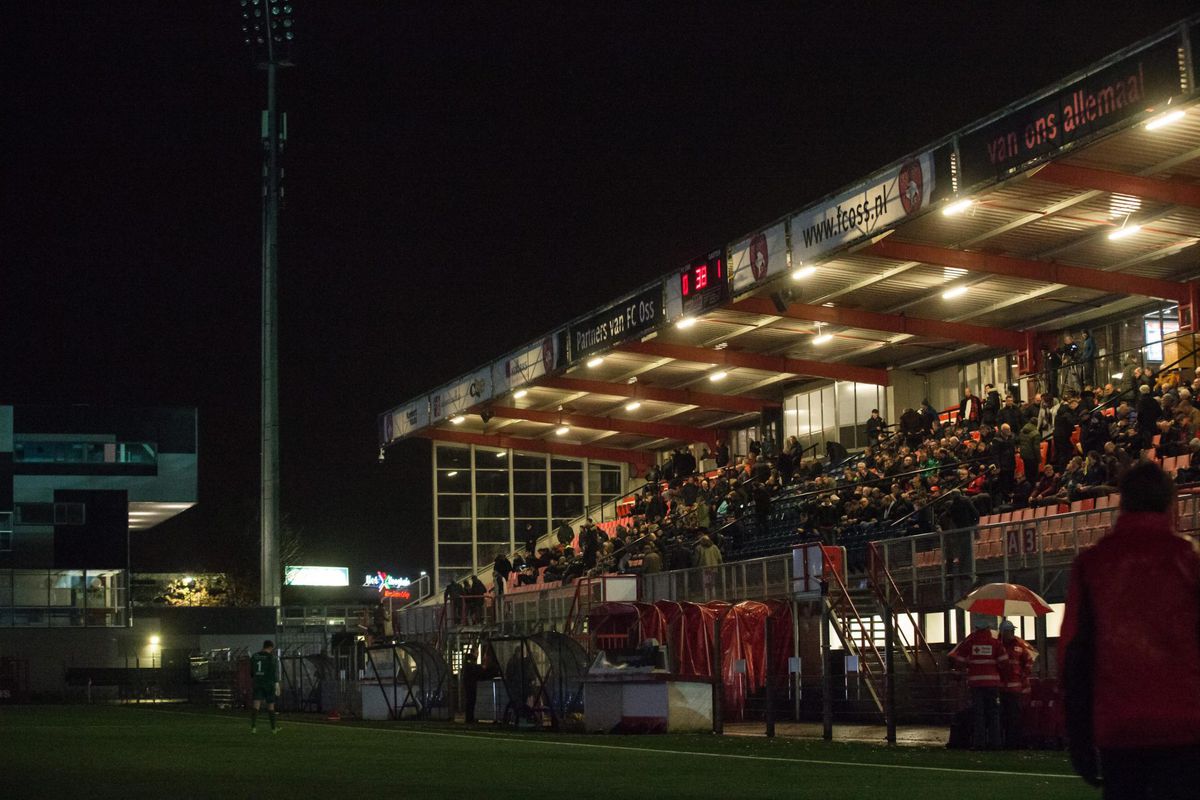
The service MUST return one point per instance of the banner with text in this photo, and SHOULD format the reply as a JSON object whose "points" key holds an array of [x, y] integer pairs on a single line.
{"points": [[1140, 81], [529, 363], [758, 259], [461, 395], [864, 211], [403, 420], [622, 321]]}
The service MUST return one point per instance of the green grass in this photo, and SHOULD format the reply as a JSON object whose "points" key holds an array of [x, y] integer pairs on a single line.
{"points": [[53, 751]]}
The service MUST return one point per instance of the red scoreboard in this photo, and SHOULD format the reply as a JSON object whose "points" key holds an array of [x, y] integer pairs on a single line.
{"points": [[703, 284]]}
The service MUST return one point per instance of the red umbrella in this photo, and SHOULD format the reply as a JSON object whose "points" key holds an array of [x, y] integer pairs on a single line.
{"points": [[1005, 600]]}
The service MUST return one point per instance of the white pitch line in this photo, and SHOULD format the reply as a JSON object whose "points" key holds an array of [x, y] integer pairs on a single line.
{"points": [[588, 745]]}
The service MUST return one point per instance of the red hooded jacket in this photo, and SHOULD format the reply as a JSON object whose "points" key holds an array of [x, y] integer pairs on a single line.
{"points": [[1132, 634]]}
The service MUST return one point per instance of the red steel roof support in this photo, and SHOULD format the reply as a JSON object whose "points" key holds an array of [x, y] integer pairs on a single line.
{"points": [[640, 459], [1041, 271], [734, 358], [643, 391], [894, 323], [655, 430], [1174, 192]]}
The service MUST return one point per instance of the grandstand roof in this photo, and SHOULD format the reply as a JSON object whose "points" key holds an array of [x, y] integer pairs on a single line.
{"points": [[1018, 209]]}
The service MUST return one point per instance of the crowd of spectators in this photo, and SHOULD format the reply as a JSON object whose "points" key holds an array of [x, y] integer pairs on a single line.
{"points": [[928, 471]]}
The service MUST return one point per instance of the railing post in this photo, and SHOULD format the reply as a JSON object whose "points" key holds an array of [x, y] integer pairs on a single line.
{"points": [[770, 688], [889, 685], [718, 679], [826, 674]]}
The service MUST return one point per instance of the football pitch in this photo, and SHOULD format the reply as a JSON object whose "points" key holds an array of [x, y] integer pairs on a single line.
{"points": [[112, 751]]}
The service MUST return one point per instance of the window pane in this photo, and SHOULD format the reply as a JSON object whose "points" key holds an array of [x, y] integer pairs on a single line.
{"points": [[529, 505], [453, 457], [454, 555], [491, 481], [454, 530], [30, 588], [566, 482], [522, 461], [454, 480], [454, 505], [566, 506], [491, 530], [66, 588], [486, 552], [491, 505], [529, 482]]}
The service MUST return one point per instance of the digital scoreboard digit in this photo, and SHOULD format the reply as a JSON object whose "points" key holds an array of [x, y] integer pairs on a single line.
{"points": [[703, 284]]}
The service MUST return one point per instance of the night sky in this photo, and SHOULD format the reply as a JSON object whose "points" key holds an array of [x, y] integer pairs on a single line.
{"points": [[460, 178]]}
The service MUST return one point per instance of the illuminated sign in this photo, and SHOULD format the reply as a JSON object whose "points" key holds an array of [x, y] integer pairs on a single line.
{"points": [[316, 576], [385, 583], [397, 594], [703, 285]]}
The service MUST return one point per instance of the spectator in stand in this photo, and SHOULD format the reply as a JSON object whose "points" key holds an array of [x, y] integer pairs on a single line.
{"points": [[1004, 456], [983, 657], [1064, 429], [1051, 362], [1131, 670], [1030, 445], [876, 426], [564, 534], [1014, 695], [928, 417], [476, 599], [1149, 412], [969, 410], [530, 537], [501, 569], [1045, 491], [1010, 414], [990, 413], [1087, 358], [722, 455], [651, 560], [911, 429]]}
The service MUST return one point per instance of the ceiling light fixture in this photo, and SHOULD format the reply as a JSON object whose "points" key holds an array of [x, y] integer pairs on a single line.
{"points": [[595, 361], [953, 292], [1123, 231], [562, 430], [800, 273], [958, 207], [1163, 120], [632, 405], [685, 322], [822, 338], [458, 419], [718, 376], [519, 393]]}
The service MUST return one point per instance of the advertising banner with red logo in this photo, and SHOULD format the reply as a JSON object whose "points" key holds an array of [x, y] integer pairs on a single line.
{"points": [[527, 364], [868, 210], [758, 259]]}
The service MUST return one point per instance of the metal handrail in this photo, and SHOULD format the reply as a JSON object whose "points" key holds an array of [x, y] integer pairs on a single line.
{"points": [[875, 568]]}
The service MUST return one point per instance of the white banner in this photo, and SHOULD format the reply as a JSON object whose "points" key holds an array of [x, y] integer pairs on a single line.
{"points": [[458, 397], [400, 422], [758, 259], [527, 364], [863, 212]]}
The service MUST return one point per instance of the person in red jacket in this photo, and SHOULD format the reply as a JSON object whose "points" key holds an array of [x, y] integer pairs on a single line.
{"points": [[983, 657], [1015, 691], [1130, 650]]}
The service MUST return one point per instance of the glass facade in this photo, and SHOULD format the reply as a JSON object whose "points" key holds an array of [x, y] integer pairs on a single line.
{"points": [[59, 452], [63, 598], [490, 500], [837, 412]]}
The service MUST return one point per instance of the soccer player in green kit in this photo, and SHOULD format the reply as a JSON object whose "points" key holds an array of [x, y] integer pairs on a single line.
{"points": [[264, 672]]}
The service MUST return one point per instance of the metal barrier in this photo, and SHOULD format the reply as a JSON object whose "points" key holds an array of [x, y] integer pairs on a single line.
{"points": [[755, 579]]}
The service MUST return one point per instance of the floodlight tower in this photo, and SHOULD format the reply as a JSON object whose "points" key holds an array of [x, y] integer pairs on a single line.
{"points": [[268, 29]]}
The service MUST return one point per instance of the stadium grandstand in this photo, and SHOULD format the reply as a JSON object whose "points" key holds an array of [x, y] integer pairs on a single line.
{"points": [[925, 381]]}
